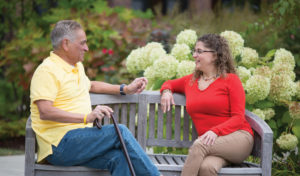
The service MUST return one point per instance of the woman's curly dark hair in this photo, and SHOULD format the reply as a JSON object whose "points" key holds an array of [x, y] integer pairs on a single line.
{"points": [[224, 62]]}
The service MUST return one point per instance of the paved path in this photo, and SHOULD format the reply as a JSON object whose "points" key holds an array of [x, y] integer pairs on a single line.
{"points": [[12, 165]]}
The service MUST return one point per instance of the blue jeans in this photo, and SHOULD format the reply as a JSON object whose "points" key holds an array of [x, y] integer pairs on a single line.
{"points": [[101, 149]]}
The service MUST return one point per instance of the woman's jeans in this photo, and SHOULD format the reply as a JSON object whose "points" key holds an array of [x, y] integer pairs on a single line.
{"points": [[101, 149]]}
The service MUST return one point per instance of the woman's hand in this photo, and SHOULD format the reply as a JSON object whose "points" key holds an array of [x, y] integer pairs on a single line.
{"points": [[166, 100], [208, 138], [98, 113]]}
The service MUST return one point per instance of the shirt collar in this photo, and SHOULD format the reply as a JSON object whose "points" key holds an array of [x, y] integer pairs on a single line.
{"points": [[62, 63]]}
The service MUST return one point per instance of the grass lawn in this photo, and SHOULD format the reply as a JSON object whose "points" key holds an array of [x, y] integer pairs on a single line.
{"points": [[8, 151]]}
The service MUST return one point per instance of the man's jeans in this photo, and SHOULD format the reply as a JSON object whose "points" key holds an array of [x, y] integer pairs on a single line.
{"points": [[101, 149]]}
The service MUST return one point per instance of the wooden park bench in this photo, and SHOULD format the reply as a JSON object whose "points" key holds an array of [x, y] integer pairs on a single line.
{"points": [[141, 113]]}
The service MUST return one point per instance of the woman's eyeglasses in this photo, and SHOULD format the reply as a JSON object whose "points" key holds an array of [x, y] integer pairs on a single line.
{"points": [[199, 51]]}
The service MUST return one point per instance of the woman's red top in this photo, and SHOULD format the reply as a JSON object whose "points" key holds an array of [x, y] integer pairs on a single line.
{"points": [[220, 107]]}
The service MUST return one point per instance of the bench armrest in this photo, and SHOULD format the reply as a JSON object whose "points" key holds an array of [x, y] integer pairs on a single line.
{"points": [[29, 149], [263, 141]]}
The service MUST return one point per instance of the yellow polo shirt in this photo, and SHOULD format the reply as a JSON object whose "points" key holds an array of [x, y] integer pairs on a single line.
{"points": [[68, 88]]}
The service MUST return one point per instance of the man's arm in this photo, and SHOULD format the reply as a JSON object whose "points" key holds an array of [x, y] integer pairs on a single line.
{"points": [[49, 112], [102, 87], [136, 86]]}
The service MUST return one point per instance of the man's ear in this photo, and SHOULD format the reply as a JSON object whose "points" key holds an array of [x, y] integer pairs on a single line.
{"points": [[65, 44]]}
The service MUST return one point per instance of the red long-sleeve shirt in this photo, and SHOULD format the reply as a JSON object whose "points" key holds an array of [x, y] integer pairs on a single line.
{"points": [[220, 107]]}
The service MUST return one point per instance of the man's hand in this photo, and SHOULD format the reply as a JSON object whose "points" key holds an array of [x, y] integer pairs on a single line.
{"points": [[166, 100], [208, 138], [136, 86], [98, 113]]}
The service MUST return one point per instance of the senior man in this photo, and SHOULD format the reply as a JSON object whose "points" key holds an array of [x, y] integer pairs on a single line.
{"points": [[61, 110]]}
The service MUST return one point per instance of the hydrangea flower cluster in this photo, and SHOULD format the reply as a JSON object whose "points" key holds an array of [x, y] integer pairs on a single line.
{"points": [[165, 67], [294, 110], [139, 59], [150, 74], [185, 68], [260, 113], [269, 113], [257, 88], [249, 57], [244, 74], [284, 57], [235, 42], [287, 142], [263, 71], [298, 90], [188, 37], [282, 89], [134, 60], [181, 52], [283, 69]]}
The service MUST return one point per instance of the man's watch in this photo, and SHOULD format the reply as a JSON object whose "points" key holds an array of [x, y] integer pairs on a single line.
{"points": [[122, 89]]}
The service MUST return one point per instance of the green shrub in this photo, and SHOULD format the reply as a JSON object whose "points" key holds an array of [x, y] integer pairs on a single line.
{"points": [[11, 129], [111, 34]]}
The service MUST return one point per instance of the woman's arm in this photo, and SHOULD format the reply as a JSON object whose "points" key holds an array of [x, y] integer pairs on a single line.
{"points": [[176, 85], [169, 87]]}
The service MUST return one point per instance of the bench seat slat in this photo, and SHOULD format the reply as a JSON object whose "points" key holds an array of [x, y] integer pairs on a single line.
{"points": [[161, 159], [170, 160]]}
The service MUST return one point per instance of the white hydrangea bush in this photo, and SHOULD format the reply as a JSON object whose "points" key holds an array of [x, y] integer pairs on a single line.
{"points": [[257, 88], [249, 57], [188, 37], [271, 89], [181, 52], [165, 67], [185, 68], [235, 42]]}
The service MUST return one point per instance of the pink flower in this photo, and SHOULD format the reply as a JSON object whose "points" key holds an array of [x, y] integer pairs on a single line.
{"points": [[104, 51], [110, 52]]}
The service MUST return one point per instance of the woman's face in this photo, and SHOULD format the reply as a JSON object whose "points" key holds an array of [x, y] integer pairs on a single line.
{"points": [[204, 57]]}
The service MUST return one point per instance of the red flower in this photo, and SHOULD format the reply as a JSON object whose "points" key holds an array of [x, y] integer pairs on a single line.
{"points": [[110, 52], [292, 36], [104, 51]]}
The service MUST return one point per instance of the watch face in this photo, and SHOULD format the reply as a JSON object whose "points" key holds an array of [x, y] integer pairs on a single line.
{"points": [[122, 89]]}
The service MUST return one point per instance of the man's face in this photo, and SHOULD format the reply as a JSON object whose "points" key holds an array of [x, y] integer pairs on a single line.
{"points": [[78, 46]]}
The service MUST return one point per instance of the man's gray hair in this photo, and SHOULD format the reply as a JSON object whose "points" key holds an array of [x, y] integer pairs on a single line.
{"points": [[63, 29]]}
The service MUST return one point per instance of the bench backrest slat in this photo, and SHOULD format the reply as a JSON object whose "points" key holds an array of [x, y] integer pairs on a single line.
{"points": [[124, 116], [151, 121], [173, 129], [177, 125], [186, 125], [160, 123], [132, 117]]}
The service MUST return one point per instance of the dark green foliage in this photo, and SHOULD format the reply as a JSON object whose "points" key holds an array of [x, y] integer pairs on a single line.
{"points": [[111, 34]]}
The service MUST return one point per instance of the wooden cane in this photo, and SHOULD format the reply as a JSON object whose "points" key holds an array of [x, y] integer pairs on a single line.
{"points": [[99, 126]]}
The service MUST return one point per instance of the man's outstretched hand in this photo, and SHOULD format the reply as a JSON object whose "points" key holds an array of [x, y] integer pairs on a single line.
{"points": [[136, 86]]}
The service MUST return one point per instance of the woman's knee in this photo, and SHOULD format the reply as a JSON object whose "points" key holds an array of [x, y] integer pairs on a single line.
{"points": [[198, 146]]}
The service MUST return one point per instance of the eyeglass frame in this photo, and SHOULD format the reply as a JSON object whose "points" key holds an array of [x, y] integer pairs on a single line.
{"points": [[201, 51]]}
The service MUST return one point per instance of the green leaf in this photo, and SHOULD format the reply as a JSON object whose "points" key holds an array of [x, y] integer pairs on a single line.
{"points": [[296, 131], [157, 84], [263, 104], [286, 118], [270, 54], [272, 124]]}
